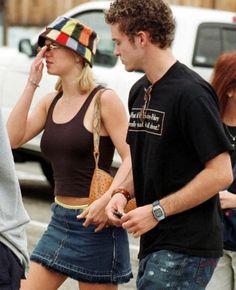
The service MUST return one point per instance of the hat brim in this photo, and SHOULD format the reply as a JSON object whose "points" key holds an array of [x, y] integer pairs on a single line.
{"points": [[68, 42]]}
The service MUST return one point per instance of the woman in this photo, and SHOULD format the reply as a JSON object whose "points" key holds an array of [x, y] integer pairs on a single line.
{"points": [[224, 82], [84, 249]]}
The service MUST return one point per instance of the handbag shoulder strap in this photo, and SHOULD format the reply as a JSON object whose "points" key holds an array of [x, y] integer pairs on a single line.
{"points": [[97, 125]]}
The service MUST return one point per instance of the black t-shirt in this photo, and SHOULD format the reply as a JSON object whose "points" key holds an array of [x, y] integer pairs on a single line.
{"points": [[231, 131], [181, 132]]}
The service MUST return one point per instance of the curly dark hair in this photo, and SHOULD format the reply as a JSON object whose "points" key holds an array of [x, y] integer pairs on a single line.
{"points": [[152, 16]]}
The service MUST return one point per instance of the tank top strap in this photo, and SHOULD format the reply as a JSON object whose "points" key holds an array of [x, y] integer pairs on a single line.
{"points": [[84, 106], [53, 104], [87, 102]]}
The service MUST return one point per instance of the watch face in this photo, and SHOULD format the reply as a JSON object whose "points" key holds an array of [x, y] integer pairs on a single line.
{"points": [[158, 212]]}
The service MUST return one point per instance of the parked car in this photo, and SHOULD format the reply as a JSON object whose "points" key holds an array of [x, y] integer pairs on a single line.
{"points": [[201, 35]]}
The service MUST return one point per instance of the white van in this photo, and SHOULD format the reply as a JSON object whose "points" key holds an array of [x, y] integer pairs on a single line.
{"points": [[201, 35]]}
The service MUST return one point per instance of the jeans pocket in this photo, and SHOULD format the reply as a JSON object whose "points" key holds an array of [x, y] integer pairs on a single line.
{"points": [[205, 270]]}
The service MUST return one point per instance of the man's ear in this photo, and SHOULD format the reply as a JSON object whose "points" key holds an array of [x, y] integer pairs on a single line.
{"points": [[142, 38]]}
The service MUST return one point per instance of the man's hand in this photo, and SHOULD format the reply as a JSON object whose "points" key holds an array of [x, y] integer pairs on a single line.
{"points": [[139, 221]]}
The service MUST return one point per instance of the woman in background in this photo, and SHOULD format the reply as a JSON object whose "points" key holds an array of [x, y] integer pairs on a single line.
{"points": [[224, 82]]}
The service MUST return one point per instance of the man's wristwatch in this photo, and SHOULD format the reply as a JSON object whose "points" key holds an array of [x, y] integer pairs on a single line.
{"points": [[158, 211]]}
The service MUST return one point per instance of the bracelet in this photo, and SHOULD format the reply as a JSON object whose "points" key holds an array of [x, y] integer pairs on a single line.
{"points": [[33, 83], [122, 191]]}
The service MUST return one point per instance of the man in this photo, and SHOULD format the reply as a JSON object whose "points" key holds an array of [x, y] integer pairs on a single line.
{"points": [[179, 154], [13, 220]]}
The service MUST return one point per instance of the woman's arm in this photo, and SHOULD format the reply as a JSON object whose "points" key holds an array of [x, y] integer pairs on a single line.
{"points": [[114, 123], [21, 125]]}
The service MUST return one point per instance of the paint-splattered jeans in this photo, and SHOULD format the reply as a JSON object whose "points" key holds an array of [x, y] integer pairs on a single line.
{"points": [[168, 270]]}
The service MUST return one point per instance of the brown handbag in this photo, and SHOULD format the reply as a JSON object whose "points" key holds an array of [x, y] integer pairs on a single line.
{"points": [[101, 180]]}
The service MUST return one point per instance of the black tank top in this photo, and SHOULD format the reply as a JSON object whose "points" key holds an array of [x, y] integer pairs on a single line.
{"points": [[69, 148]]}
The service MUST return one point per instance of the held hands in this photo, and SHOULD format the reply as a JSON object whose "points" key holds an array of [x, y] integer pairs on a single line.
{"points": [[116, 204], [227, 199], [136, 222], [36, 69]]}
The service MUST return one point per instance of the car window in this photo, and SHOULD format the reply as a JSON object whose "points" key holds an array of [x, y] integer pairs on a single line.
{"points": [[95, 19], [213, 39]]}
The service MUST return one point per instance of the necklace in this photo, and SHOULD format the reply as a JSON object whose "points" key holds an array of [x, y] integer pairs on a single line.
{"points": [[147, 98], [233, 137]]}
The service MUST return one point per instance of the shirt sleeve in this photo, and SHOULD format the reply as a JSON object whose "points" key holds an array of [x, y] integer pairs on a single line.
{"points": [[203, 128]]}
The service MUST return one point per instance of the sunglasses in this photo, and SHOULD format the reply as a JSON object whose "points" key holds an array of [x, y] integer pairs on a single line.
{"points": [[50, 47]]}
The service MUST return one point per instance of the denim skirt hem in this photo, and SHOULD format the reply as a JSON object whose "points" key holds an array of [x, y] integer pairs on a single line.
{"points": [[70, 249], [82, 276]]}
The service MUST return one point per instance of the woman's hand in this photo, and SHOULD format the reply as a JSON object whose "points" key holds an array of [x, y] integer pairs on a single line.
{"points": [[227, 199], [116, 204], [36, 70], [95, 214]]}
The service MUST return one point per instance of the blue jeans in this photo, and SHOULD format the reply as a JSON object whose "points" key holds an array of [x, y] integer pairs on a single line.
{"points": [[174, 271]]}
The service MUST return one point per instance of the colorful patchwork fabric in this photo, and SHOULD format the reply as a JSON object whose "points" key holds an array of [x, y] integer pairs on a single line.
{"points": [[73, 34]]}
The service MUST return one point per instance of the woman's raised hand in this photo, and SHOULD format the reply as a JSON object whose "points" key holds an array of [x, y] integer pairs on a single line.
{"points": [[36, 70]]}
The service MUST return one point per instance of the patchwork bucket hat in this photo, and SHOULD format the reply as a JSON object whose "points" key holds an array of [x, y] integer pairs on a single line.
{"points": [[71, 33]]}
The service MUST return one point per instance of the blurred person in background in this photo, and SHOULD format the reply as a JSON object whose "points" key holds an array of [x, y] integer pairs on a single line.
{"points": [[13, 220], [180, 154], [84, 249], [224, 83]]}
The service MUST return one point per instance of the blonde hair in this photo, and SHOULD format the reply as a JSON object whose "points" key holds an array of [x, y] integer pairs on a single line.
{"points": [[85, 81]]}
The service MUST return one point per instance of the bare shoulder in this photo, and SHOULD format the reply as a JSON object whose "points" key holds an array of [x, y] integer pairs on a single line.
{"points": [[47, 99], [110, 97], [111, 105]]}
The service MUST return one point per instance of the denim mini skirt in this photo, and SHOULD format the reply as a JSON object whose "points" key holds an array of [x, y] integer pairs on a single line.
{"points": [[68, 248]]}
